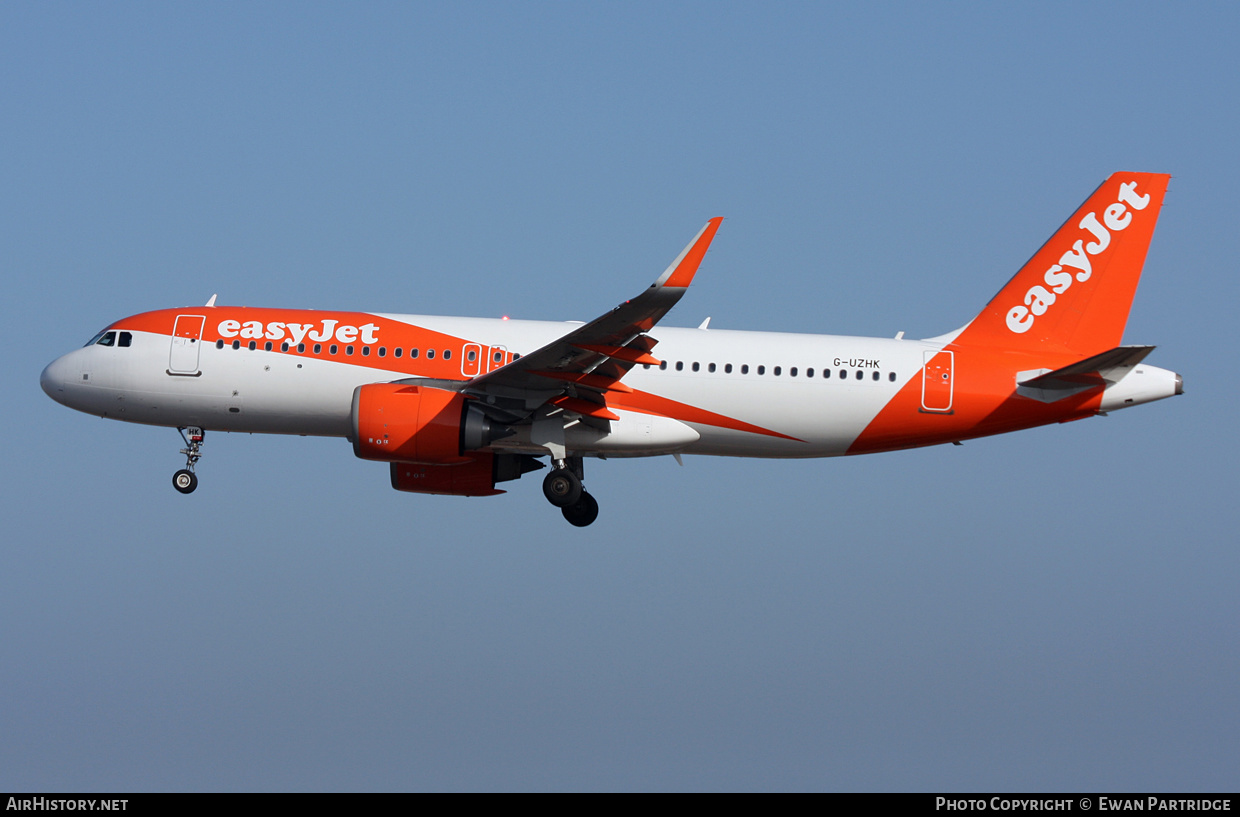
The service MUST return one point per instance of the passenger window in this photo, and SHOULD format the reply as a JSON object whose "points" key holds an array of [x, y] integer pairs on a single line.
{"points": [[499, 358], [860, 374], [430, 354], [365, 351], [809, 372], [413, 353], [472, 356], [711, 368], [843, 374], [125, 339], [892, 377], [744, 368], [237, 345], [680, 365], [301, 348], [727, 368], [778, 371], [219, 344], [253, 345], [284, 346], [348, 350], [826, 374], [397, 351], [876, 375], [663, 365], [318, 347], [333, 349], [447, 354], [761, 370], [382, 351], [696, 366], [267, 346]]}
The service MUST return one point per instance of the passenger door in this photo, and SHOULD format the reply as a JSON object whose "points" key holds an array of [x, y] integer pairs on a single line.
{"points": [[186, 340]]}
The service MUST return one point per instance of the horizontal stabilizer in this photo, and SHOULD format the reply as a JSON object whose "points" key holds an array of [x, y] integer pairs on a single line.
{"points": [[1103, 369]]}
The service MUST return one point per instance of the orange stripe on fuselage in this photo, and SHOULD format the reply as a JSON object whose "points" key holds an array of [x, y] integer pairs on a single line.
{"points": [[984, 403], [389, 334], [276, 328], [647, 403]]}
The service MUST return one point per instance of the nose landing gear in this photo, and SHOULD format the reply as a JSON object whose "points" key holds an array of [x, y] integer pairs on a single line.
{"points": [[186, 480], [562, 487]]}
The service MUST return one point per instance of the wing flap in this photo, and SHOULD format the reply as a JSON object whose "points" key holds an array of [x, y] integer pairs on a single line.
{"points": [[586, 407], [594, 382]]}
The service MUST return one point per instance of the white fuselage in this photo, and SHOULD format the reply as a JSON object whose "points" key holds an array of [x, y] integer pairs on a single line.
{"points": [[774, 381]]}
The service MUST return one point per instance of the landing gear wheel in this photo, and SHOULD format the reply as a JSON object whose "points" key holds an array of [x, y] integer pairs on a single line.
{"points": [[184, 481], [562, 488], [582, 512]]}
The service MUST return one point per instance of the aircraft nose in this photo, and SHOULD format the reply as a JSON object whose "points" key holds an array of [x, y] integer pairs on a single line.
{"points": [[54, 378]]}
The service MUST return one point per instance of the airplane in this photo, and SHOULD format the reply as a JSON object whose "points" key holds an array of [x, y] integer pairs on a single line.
{"points": [[458, 405]]}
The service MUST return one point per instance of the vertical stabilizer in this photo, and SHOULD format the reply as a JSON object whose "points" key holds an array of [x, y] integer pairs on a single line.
{"points": [[1075, 293]]}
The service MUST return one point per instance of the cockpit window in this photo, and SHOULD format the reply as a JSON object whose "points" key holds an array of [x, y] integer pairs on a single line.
{"points": [[109, 337]]}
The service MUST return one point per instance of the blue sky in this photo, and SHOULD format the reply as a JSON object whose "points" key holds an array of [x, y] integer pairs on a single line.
{"points": [[1043, 611]]}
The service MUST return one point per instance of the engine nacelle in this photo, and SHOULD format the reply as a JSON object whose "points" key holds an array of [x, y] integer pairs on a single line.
{"points": [[392, 421]]}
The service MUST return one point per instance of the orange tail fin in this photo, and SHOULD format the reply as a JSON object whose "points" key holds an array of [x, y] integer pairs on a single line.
{"points": [[1074, 294]]}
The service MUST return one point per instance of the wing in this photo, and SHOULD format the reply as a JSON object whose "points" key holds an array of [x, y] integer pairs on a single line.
{"points": [[576, 371]]}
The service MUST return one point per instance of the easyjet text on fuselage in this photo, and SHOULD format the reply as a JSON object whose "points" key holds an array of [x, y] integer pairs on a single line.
{"points": [[320, 332]]}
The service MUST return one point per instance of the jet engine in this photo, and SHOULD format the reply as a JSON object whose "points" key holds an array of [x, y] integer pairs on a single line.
{"points": [[396, 422]]}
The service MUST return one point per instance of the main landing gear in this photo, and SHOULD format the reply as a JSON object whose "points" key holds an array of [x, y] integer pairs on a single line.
{"points": [[185, 480], [562, 487]]}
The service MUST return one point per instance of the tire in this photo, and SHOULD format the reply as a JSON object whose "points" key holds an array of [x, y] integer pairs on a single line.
{"points": [[583, 512], [185, 481], [562, 488]]}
